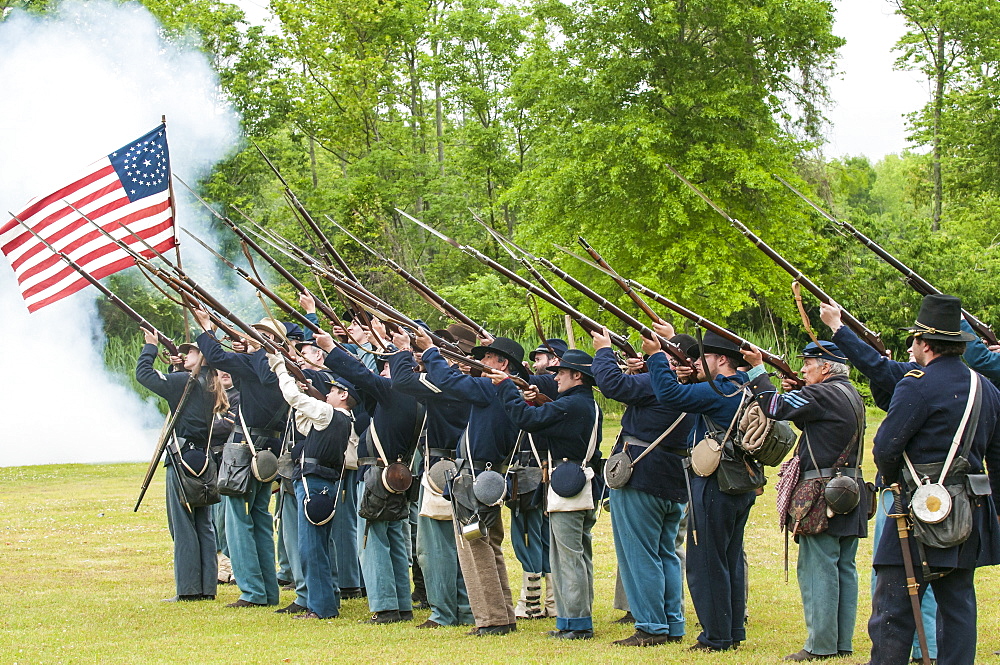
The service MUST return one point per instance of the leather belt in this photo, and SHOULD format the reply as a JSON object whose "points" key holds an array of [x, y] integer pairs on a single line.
{"points": [[260, 431], [481, 466], [315, 461], [557, 462], [830, 473], [639, 443], [442, 452]]}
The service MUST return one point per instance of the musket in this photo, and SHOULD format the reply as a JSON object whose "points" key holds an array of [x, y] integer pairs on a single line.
{"points": [[918, 283], [398, 320], [115, 300], [161, 445], [620, 281], [870, 337], [616, 311], [505, 243], [188, 288], [771, 359], [301, 210], [583, 320], [248, 241], [424, 291], [900, 514]]}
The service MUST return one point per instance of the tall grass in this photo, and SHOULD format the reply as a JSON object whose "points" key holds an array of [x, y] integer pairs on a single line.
{"points": [[120, 355]]}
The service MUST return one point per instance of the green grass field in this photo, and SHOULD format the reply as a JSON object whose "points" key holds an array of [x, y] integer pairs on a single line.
{"points": [[83, 577]]}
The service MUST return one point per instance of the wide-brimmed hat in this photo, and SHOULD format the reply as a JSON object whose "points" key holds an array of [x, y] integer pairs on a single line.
{"points": [[688, 344], [182, 349], [273, 326], [509, 349], [550, 346], [464, 336], [348, 315], [824, 351], [939, 319], [576, 360], [715, 343]]}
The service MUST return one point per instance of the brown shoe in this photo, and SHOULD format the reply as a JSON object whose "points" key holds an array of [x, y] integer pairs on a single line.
{"points": [[628, 618], [245, 603], [643, 639], [429, 624]]}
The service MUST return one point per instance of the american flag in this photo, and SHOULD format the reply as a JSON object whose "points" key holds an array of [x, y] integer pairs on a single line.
{"points": [[130, 187]]}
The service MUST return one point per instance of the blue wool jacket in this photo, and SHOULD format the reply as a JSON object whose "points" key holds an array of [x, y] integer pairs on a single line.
{"points": [[492, 435], [660, 473], [697, 398], [395, 415], [562, 427], [447, 416], [260, 398], [196, 417], [925, 412]]}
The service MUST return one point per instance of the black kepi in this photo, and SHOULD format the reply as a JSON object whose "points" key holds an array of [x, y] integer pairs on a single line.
{"points": [[939, 320]]}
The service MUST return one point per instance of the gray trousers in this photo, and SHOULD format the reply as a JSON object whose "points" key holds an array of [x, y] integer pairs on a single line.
{"points": [[196, 567], [572, 558]]}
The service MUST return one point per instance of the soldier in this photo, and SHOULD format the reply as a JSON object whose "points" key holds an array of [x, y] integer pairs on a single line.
{"points": [[396, 422], [716, 571], [830, 413], [193, 532], [250, 527], [547, 355], [447, 418], [569, 431], [318, 461], [529, 524], [646, 512], [928, 420], [489, 439]]}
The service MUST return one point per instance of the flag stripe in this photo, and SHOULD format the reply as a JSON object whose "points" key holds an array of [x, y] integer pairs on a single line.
{"points": [[81, 282], [104, 169], [30, 282], [87, 235], [65, 278]]}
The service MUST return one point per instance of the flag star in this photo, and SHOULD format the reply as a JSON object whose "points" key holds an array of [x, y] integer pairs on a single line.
{"points": [[135, 180], [132, 191]]}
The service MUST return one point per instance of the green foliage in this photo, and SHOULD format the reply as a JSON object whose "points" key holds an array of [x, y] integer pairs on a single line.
{"points": [[120, 355]]}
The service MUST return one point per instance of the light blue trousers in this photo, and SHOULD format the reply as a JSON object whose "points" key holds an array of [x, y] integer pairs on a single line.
{"points": [[645, 530], [828, 582], [572, 557], [250, 534], [385, 564], [345, 532], [290, 536], [437, 555]]}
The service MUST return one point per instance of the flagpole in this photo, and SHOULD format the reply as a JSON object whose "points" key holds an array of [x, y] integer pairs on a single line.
{"points": [[177, 239]]}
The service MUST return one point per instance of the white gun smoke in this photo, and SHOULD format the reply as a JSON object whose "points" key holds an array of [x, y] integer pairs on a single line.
{"points": [[78, 83]]}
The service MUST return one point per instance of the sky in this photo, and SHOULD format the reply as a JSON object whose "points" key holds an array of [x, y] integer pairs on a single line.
{"points": [[870, 97]]}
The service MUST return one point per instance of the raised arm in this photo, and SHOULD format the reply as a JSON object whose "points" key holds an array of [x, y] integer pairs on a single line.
{"points": [[317, 411], [476, 390]]}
